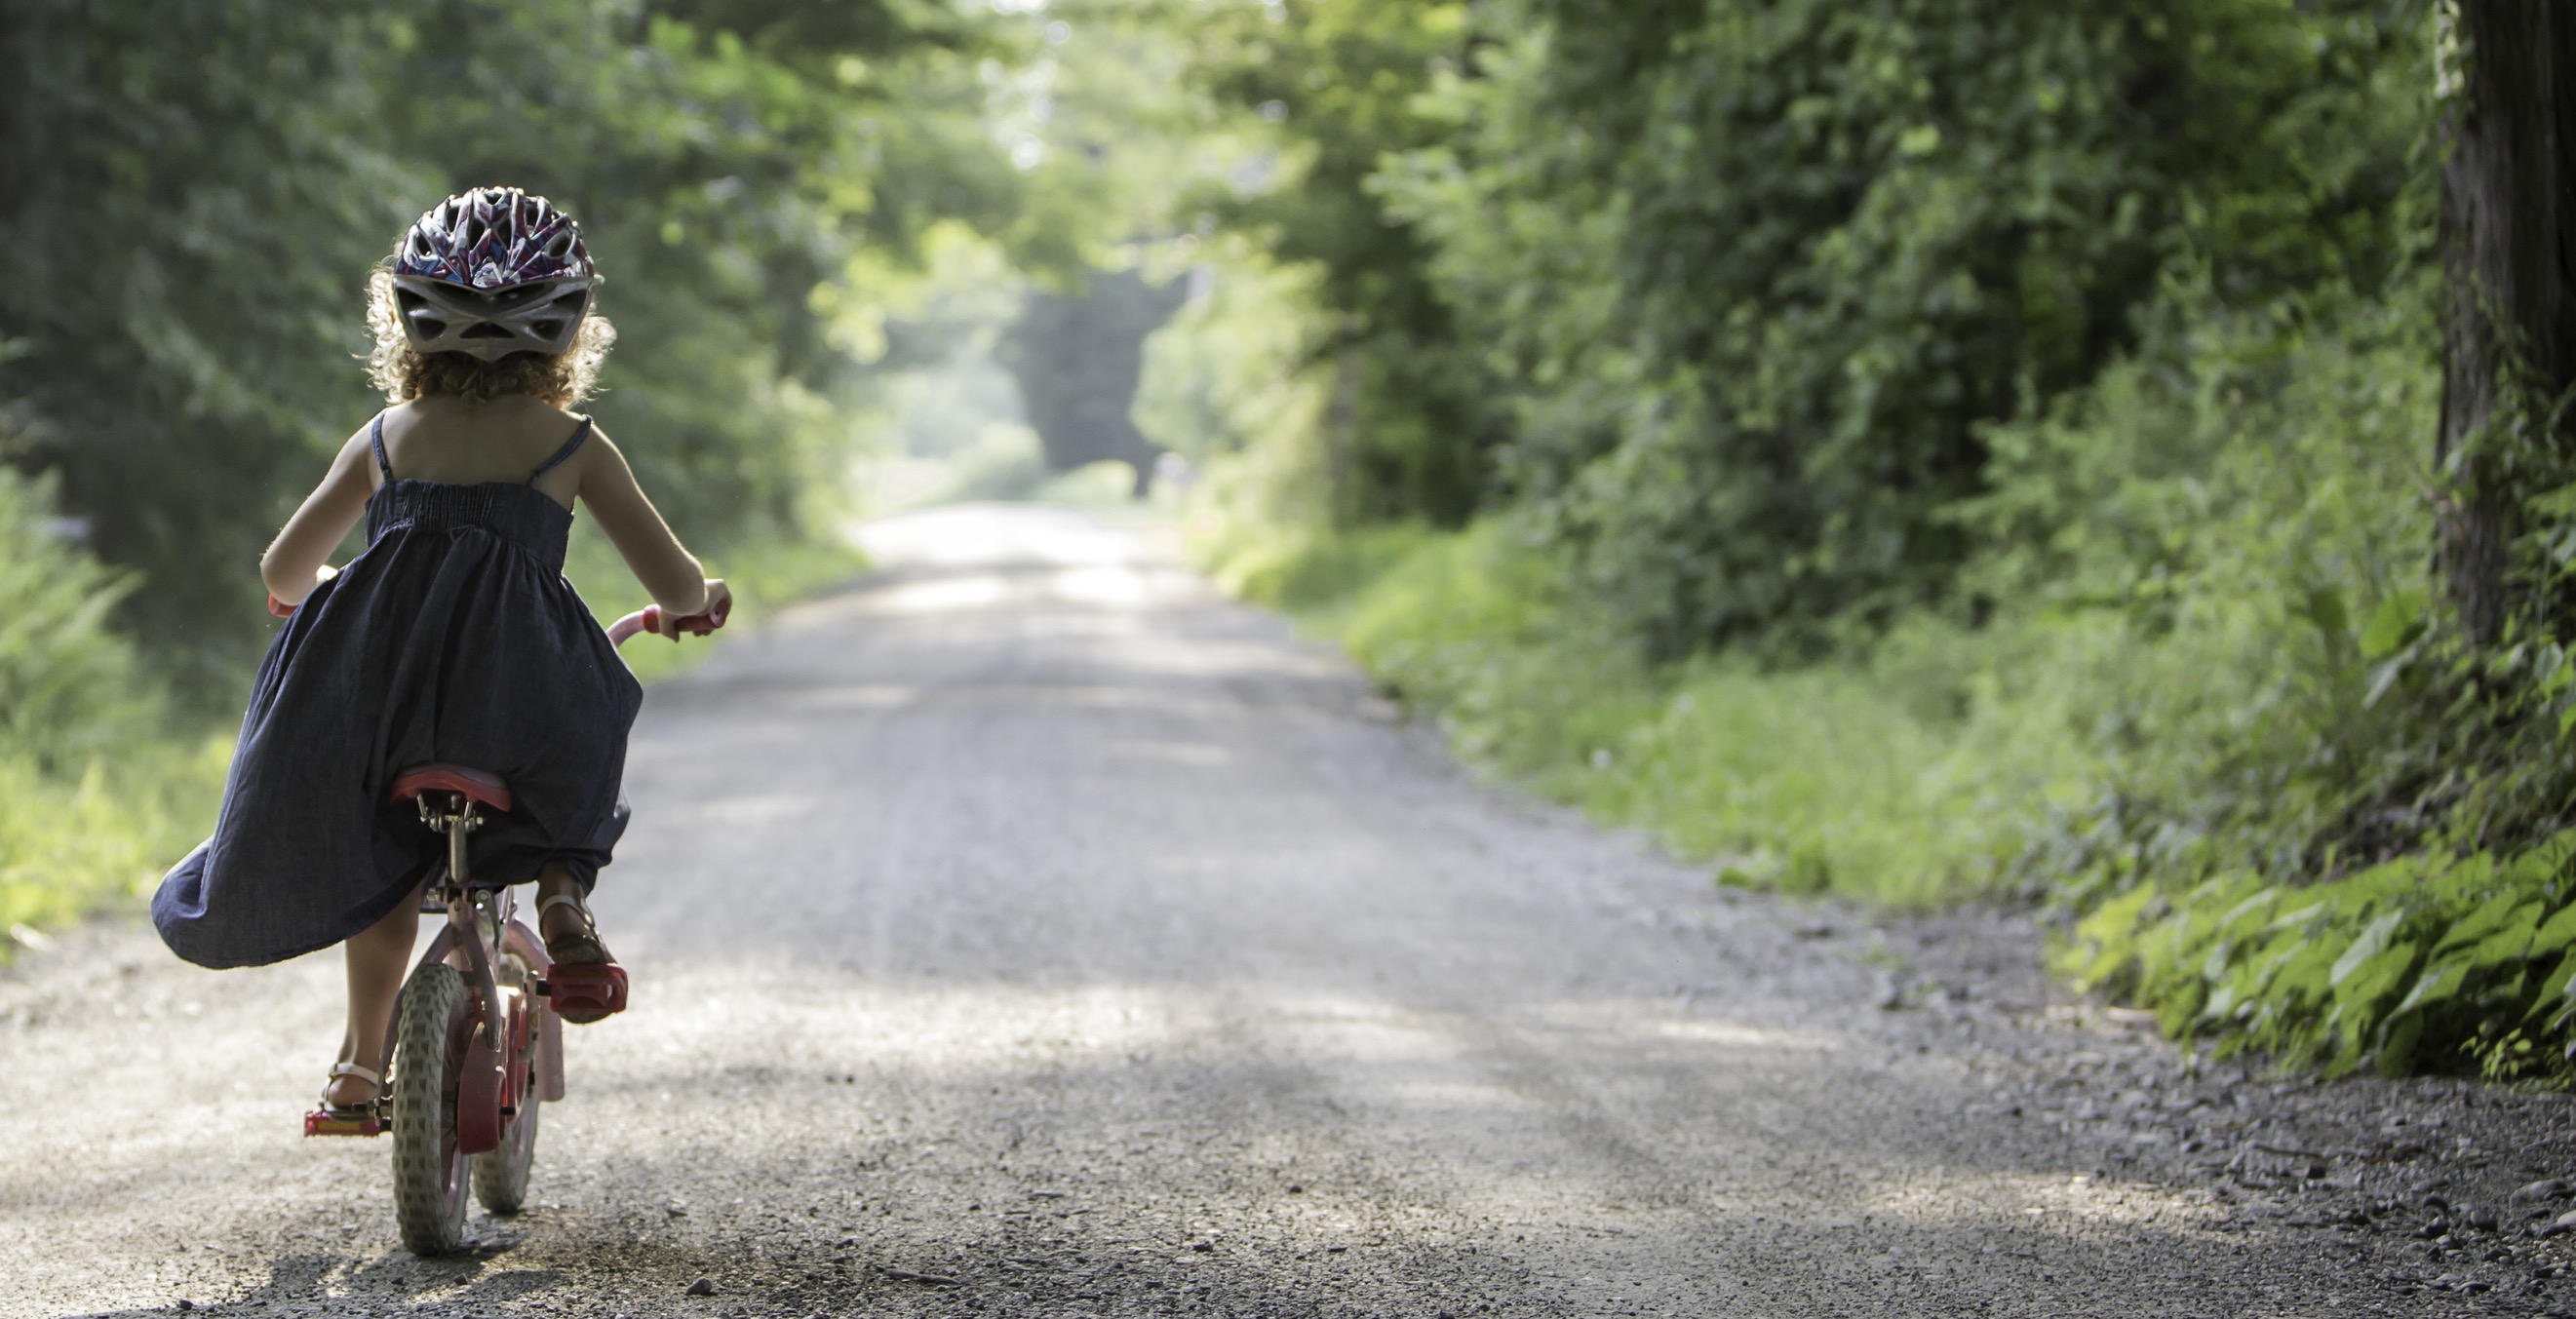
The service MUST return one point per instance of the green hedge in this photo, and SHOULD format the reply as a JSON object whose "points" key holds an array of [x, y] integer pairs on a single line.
{"points": [[97, 793], [2422, 961]]}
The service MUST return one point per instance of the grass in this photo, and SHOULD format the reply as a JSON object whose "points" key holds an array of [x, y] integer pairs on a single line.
{"points": [[1872, 778], [70, 844], [97, 795]]}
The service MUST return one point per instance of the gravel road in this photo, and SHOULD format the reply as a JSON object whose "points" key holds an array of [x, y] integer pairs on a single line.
{"points": [[1026, 930]]}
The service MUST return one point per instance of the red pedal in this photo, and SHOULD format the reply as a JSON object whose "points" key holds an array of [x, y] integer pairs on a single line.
{"points": [[324, 1122], [584, 990]]}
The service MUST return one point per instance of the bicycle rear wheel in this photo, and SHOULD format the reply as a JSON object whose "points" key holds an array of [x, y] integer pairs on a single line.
{"points": [[501, 1175], [429, 1172]]}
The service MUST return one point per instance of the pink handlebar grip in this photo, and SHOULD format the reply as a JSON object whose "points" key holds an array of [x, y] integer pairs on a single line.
{"points": [[651, 619]]}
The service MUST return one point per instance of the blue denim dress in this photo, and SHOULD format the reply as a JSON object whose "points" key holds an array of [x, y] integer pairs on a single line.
{"points": [[454, 637]]}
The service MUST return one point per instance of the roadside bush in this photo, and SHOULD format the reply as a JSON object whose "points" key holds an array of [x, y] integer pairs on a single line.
{"points": [[97, 795], [2421, 961], [69, 686], [2166, 666]]}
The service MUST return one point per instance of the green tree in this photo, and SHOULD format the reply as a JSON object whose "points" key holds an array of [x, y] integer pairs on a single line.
{"points": [[1335, 82], [191, 197], [1760, 273]]}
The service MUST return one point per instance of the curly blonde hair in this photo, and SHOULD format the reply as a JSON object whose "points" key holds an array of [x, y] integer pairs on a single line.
{"points": [[405, 373]]}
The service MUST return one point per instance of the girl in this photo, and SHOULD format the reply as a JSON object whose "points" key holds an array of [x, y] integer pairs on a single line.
{"points": [[452, 637]]}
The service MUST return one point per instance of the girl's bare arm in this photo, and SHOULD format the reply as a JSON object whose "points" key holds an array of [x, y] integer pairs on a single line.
{"points": [[294, 559], [668, 572]]}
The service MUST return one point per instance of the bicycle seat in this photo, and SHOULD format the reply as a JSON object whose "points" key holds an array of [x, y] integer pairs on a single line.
{"points": [[472, 784]]}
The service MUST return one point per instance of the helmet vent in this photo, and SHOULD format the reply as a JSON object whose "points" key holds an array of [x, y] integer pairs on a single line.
{"points": [[496, 254]]}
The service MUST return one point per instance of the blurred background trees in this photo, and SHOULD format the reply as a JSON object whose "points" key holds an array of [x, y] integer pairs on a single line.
{"points": [[191, 197]]}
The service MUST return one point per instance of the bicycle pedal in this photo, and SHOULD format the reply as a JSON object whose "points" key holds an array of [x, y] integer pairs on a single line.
{"points": [[324, 1122], [585, 990]]}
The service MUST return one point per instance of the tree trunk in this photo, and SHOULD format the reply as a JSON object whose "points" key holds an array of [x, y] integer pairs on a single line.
{"points": [[2508, 233], [1342, 426]]}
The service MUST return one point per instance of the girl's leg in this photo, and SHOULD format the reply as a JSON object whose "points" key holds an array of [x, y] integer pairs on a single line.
{"points": [[377, 959]]}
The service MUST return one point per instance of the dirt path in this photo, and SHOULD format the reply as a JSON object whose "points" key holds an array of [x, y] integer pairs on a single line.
{"points": [[1030, 932]]}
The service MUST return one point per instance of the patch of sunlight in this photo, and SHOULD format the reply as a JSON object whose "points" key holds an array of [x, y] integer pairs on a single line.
{"points": [[1111, 587], [960, 535], [1458, 1095], [861, 696], [2063, 1205], [940, 595], [1653, 1019], [726, 1015], [758, 809], [1739, 1036]]}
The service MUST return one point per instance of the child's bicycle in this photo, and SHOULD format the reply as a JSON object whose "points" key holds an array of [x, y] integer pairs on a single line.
{"points": [[476, 1042]]}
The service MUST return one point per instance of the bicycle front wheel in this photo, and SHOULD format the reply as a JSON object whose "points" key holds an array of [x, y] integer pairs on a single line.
{"points": [[429, 1171]]}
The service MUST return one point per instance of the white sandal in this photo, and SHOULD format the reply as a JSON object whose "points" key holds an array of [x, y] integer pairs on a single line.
{"points": [[340, 1071]]}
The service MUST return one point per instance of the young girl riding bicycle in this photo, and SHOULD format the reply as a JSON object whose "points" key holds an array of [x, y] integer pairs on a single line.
{"points": [[452, 637]]}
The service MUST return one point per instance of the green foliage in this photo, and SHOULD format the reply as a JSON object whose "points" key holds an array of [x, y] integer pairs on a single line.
{"points": [[94, 800], [1759, 276], [2421, 961], [2241, 516], [191, 196], [68, 684], [1334, 86], [188, 203]]}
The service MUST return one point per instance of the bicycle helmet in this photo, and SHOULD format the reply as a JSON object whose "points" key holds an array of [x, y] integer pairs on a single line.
{"points": [[492, 272]]}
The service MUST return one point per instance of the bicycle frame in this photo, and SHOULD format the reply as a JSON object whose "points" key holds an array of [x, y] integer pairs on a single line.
{"points": [[482, 925], [482, 929]]}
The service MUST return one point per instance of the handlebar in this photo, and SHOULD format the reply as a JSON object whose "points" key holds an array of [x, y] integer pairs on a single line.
{"points": [[652, 619]]}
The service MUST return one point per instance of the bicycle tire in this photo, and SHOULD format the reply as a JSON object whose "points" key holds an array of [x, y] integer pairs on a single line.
{"points": [[501, 1175], [430, 1175]]}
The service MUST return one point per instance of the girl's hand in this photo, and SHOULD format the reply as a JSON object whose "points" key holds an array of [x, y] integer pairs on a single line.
{"points": [[324, 573], [719, 602]]}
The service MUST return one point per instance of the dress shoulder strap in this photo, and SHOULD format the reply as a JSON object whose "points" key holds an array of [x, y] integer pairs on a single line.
{"points": [[565, 452], [376, 437]]}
